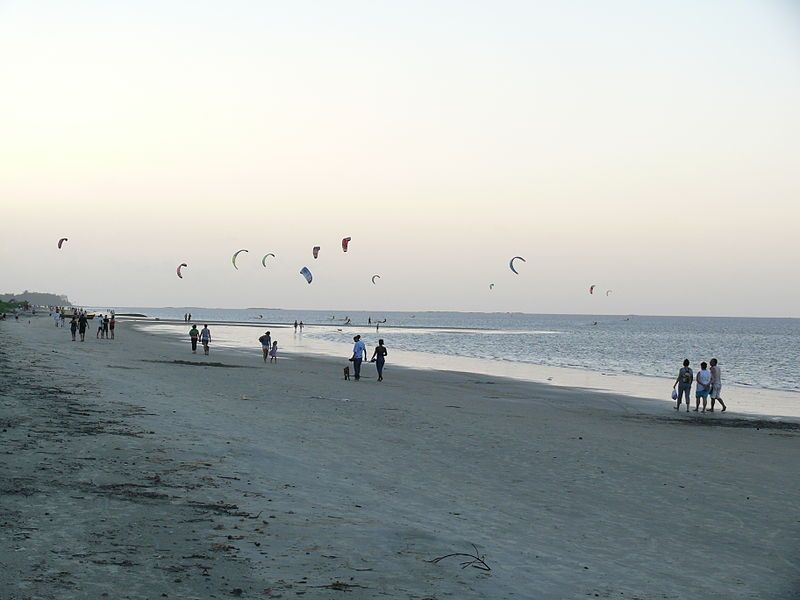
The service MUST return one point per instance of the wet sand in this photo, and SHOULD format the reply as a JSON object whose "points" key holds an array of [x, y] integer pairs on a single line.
{"points": [[135, 469]]}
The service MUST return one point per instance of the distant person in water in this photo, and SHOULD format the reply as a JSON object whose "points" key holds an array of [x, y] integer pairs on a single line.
{"points": [[266, 344], [684, 384], [379, 358], [295, 325], [205, 338], [190, 317], [273, 353], [301, 327], [703, 386], [73, 327], [716, 385], [193, 335], [359, 354], [83, 323]]}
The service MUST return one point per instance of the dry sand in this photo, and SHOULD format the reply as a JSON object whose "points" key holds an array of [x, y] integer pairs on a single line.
{"points": [[126, 474]]}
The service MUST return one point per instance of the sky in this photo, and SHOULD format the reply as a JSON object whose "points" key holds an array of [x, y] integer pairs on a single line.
{"points": [[652, 148]]}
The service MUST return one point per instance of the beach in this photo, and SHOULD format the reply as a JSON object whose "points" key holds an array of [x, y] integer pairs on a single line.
{"points": [[135, 469]]}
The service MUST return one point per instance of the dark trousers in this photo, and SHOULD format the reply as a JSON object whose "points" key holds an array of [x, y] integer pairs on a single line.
{"points": [[194, 343], [357, 367]]}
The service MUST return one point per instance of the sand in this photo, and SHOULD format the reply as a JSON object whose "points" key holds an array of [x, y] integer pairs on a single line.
{"points": [[135, 469]]}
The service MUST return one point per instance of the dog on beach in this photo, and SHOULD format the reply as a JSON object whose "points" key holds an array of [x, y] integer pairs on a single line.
{"points": [[347, 373]]}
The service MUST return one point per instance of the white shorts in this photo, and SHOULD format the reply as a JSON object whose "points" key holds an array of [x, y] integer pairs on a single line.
{"points": [[716, 390]]}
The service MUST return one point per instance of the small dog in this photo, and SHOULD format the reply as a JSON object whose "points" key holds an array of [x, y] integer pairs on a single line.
{"points": [[347, 373]]}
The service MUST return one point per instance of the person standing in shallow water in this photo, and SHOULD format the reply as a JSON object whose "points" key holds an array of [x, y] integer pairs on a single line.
{"points": [[193, 335], [379, 358], [716, 385], [684, 384]]}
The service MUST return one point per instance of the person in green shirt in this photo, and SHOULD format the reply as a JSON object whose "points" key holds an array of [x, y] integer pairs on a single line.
{"points": [[193, 335]]}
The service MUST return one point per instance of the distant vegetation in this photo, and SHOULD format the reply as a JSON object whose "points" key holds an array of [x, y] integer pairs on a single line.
{"points": [[35, 299]]}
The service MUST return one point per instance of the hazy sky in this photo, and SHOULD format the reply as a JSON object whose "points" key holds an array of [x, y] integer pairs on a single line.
{"points": [[648, 147]]}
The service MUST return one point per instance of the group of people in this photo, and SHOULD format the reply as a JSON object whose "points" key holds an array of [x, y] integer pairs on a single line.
{"points": [[187, 317], [203, 335], [360, 355], [106, 324], [708, 383]]}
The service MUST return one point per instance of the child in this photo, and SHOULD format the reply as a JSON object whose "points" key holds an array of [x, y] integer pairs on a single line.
{"points": [[273, 354]]}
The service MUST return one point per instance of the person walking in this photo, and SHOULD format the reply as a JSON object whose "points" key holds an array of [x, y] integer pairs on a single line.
{"points": [[83, 323], [193, 335], [99, 326], [112, 323], [359, 354], [379, 358], [273, 353], [266, 345], [684, 384], [703, 386], [73, 327], [205, 338], [301, 327], [716, 385], [295, 325]]}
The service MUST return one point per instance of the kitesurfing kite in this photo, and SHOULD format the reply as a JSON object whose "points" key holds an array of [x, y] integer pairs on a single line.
{"points": [[374, 277], [345, 242], [511, 263], [608, 292], [315, 251], [307, 274], [235, 254], [491, 286], [591, 289], [178, 270], [264, 260], [61, 241]]}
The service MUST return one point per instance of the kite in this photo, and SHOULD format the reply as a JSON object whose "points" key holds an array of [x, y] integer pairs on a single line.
{"points": [[315, 251], [591, 289], [61, 241], [178, 270], [491, 286], [345, 242], [307, 274], [233, 258], [374, 277], [608, 292], [511, 263], [264, 260]]}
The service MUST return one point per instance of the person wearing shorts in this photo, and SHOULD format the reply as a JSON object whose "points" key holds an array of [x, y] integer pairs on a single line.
{"points": [[83, 323], [703, 386], [716, 385], [73, 327], [99, 326], [684, 384], [205, 338], [266, 345], [111, 325]]}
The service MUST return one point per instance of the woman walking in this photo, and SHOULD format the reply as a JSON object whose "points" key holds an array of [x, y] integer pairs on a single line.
{"points": [[379, 358]]}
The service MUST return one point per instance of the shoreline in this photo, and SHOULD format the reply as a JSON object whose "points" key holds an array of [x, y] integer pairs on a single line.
{"points": [[134, 468], [748, 401]]}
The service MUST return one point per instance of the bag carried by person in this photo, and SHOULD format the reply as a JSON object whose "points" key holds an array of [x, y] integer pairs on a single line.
{"points": [[674, 394]]}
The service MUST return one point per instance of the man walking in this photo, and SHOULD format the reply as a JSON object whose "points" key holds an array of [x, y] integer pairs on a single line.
{"points": [[205, 338], [266, 345], [359, 354], [716, 385]]}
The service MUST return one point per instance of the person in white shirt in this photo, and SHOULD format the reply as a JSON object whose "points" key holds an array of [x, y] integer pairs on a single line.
{"points": [[703, 386], [359, 354], [716, 385]]}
